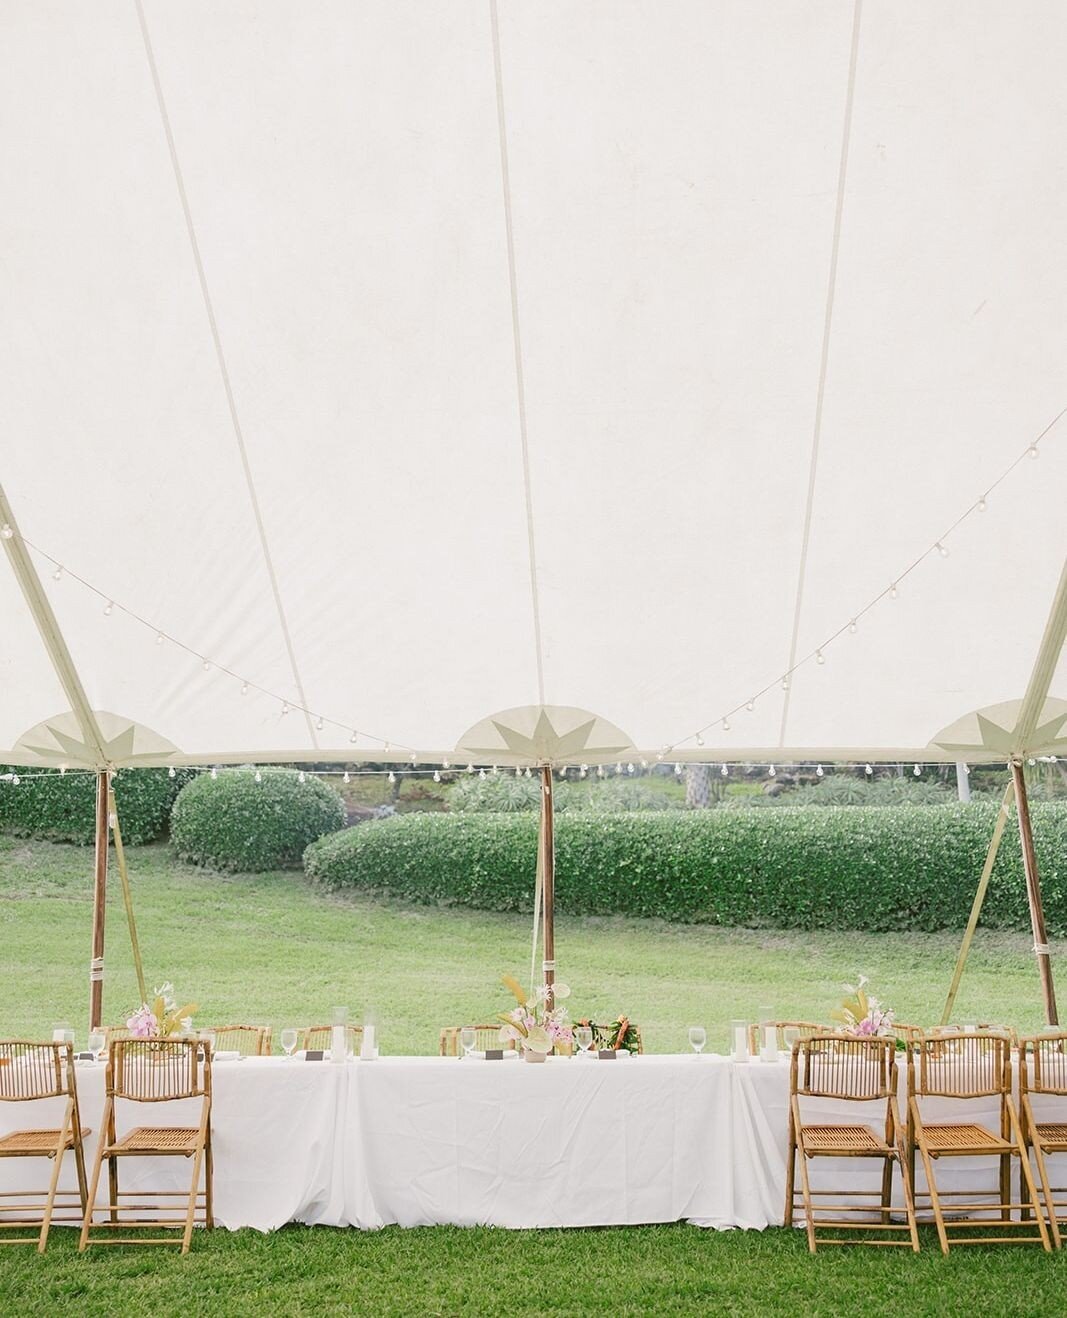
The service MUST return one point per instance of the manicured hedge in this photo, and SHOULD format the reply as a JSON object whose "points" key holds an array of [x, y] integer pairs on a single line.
{"points": [[62, 807], [909, 867], [233, 822]]}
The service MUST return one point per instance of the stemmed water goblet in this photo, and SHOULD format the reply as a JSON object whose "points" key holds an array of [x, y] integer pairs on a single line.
{"points": [[584, 1038], [698, 1037], [467, 1039], [97, 1040], [288, 1042]]}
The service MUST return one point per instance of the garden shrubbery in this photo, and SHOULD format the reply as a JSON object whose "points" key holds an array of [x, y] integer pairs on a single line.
{"points": [[876, 869], [233, 822], [62, 807]]}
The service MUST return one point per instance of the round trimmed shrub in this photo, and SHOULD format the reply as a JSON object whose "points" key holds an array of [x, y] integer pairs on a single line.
{"points": [[878, 868], [62, 807], [233, 822]]}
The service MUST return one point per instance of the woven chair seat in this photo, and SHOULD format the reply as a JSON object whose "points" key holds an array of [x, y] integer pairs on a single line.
{"points": [[1052, 1132], [964, 1137], [36, 1141], [838, 1139], [157, 1139]]}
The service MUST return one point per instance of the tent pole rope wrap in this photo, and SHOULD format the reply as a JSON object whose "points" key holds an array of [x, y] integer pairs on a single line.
{"points": [[979, 899], [1033, 893], [220, 356], [824, 357], [127, 897], [549, 881], [539, 888], [96, 971]]}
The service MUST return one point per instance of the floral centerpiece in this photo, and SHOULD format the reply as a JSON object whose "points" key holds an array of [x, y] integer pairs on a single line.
{"points": [[162, 1018], [863, 1015], [533, 1025]]}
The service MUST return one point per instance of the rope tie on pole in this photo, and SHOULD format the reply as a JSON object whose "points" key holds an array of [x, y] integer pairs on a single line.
{"points": [[96, 969], [1042, 949]]}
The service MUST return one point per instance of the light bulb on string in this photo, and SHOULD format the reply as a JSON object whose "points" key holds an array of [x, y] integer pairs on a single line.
{"points": [[917, 771], [528, 774], [214, 771], [385, 745], [301, 777], [437, 775], [159, 638], [285, 707], [244, 688], [62, 770], [172, 772], [109, 608], [57, 575], [319, 724], [6, 531], [677, 770], [630, 768], [893, 591], [563, 773], [785, 682], [644, 764], [481, 773], [751, 705], [259, 776], [941, 549], [868, 770], [346, 777], [470, 768], [1031, 761], [700, 739], [207, 665], [1033, 451], [518, 771], [726, 725], [600, 771], [583, 772], [618, 768], [818, 771], [660, 755], [982, 504], [725, 771], [446, 764], [852, 627], [820, 658], [392, 776], [15, 780], [772, 771], [352, 739]]}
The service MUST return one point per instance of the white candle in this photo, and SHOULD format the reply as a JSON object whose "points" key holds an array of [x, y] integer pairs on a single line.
{"points": [[337, 1044], [740, 1048], [367, 1048]]}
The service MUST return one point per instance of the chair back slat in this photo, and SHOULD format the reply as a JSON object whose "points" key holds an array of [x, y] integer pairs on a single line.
{"points": [[30, 1070], [961, 1064], [804, 1029], [844, 1066], [1049, 1056], [158, 1070], [248, 1040]]}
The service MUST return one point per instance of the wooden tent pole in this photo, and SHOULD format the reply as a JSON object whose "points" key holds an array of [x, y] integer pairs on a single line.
{"points": [[1033, 892], [96, 965], [549, 881], [979, 898], [127, 896]]}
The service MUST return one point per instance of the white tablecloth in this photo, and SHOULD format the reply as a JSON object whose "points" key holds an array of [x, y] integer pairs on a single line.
{"points": [[421, 1141]]}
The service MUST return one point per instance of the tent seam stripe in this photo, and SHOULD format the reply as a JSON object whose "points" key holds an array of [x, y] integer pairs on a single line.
{"points": [[828, 317], [223, 369], [520, 385]]}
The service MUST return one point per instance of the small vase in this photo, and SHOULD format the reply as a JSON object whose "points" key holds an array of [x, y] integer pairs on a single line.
{"points": [[529, 1055]]}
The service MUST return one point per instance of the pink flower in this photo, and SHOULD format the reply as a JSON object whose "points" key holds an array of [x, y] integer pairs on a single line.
{"points": [[142, 1024]]}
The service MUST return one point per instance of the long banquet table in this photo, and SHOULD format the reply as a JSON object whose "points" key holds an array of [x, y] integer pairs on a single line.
{"points": [[425, 1140]]}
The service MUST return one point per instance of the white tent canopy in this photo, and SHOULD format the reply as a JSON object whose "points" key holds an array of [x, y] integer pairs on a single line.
{"points": [[409, 362]]}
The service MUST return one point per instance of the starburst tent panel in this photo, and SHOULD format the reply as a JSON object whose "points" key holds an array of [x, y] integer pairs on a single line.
{"points": [[413, 361]]}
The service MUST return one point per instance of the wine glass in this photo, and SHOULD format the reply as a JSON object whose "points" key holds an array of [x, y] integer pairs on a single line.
{"points": [[584, 1037], [207, 1038], [288, 1042], [97, 1039], [467, 1039], [790, 1037], [698, 1037]]}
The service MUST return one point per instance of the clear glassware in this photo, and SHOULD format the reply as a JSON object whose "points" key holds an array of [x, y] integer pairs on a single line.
{"points": [[97, 1040], [790, 1037], [583, 1036], [739, 1041], [698, 1037], [208, 1037], [62, 1033], [467, 1039], [289, 1037]]}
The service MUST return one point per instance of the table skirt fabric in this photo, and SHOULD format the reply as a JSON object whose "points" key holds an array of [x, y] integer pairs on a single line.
{"points": [[420, 1141]]}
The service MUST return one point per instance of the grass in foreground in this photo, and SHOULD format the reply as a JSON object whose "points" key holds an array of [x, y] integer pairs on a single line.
{"points": [[272, 948], [450, 1270]]}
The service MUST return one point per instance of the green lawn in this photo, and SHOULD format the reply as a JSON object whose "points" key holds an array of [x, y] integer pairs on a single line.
{"points": [[271, 948]]}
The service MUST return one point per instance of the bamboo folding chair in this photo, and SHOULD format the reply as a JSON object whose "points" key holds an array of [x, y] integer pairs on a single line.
{"points": [[153, 1071], [1048, 1077], [485, 1037], [967, 1067], [113, 1032], [30, 1072], [855, 1070], [321, 1036], [248, 1040], [805, 1029]]}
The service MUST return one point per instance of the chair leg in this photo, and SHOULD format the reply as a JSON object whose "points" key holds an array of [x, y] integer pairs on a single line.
{"points": [[790, 1172], [1046, 1191], [935, 1198], [909, 1198], [113, 1187], [90, 1206], [1027, 1189], [809, 1209], [57, 1160], [887, 1189], [209, 1184], [187, 1235]]}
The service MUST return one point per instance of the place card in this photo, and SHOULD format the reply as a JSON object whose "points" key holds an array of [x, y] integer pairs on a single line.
{"points": [[606, 1054], [84, 1057], [315, 1055], [494, 1054]]}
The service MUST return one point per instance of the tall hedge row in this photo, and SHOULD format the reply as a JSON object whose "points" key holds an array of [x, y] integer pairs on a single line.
{"points": [[62, 807], [877, 869]]}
